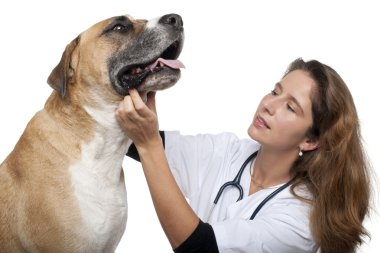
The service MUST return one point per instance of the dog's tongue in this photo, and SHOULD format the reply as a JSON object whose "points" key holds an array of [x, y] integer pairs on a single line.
{"points": [[174, 64]]}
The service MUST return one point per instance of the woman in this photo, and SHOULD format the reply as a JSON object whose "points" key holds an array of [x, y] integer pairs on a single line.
{"points": [[306, 132]]}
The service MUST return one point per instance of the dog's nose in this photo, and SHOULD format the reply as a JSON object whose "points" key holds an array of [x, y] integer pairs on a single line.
{"points": [[172, 19]]}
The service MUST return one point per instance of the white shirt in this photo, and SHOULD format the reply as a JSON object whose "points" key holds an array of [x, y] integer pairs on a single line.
{"points": [[202, 164]]}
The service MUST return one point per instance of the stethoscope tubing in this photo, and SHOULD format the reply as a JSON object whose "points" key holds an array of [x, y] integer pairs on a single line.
{"points": [[269, 197], [236, 183]]}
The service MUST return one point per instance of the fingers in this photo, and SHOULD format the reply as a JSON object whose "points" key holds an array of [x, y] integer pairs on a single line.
{"points": [[136, 99], [136, 119], [139, 105], [151, 101], [125, 110], [133, 107]]}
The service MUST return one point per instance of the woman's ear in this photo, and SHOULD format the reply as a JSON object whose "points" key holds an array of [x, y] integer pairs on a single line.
{"points": [[309, 144]]}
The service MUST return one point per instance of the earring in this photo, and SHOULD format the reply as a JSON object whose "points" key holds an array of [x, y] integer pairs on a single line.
{"points": [[300, 153]]}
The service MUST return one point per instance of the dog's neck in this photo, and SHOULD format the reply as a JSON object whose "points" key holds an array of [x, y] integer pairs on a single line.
{"points": [[109, 143], [102, 142], [97, 177], [111, 138]]}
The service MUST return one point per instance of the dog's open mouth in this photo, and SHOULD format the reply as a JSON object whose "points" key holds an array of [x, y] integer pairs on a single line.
{"points": [[134, 75]]}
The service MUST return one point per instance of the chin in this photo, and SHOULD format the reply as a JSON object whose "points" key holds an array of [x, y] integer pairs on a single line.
{"points": [[259, 136], [252, 133]]}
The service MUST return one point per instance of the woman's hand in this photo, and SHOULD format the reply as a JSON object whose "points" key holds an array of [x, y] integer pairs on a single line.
{"points": [[139, 120]]}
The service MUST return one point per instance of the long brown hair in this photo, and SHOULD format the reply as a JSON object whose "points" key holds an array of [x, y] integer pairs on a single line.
{"points": [[337, 172]]}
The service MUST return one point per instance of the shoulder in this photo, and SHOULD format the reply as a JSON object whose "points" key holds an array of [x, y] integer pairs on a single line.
{"points": [[220, 136], [287, 204], [225, 139]]}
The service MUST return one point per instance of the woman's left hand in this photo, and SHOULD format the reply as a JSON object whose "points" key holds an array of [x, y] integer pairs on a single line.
{"points": [[139, 120]]}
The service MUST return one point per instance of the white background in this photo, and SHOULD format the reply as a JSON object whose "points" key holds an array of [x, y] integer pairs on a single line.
{"points": [[234, 53]]}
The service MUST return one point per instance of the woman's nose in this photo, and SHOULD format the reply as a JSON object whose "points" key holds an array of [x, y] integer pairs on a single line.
{"points": [[270, 105]]}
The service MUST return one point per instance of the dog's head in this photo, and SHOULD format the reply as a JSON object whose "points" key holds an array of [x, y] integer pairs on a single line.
{"points": [[120, 53]]}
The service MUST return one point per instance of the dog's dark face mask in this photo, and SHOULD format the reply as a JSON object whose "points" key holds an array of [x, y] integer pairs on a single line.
{"points": [[148, 61]]}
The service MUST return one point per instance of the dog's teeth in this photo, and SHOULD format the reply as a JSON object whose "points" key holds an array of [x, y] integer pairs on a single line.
{"points": [[136, 71], [161, 64]]}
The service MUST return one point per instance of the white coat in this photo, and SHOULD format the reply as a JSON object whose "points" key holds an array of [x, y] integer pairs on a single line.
{"points": [[202, 164]]}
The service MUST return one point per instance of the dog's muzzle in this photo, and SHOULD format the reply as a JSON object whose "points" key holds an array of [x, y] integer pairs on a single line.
{"points": [[151, 63], [133, 76]]}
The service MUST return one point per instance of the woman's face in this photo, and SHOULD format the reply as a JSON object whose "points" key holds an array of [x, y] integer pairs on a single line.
{"points": [[284, 115]]}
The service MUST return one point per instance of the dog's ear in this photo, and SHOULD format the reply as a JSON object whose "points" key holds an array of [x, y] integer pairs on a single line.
{"points": [[60, 76]]}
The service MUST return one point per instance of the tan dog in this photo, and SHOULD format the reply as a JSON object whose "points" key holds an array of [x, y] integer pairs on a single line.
{"points": [[62, 187]]}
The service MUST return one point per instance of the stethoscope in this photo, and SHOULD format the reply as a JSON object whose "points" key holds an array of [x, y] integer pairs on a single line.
{"points": [[236, 183]]}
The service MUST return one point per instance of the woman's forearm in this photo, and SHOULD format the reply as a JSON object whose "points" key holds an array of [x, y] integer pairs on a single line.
{"points": [[177, 218], [139, 120]]}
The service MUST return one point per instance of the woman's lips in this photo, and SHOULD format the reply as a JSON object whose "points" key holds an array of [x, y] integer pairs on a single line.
{"points": [[259, 122]]}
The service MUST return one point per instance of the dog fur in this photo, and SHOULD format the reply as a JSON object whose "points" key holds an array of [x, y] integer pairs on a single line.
{"points": [[62, 187]]}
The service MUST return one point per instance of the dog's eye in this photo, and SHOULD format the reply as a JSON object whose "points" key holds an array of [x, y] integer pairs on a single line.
{"points": [[119, 28]]}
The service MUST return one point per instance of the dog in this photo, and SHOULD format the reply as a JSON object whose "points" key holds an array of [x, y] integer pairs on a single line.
{"points": [[62, 187]]}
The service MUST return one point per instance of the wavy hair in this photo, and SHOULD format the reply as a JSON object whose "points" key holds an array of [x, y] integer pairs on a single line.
{"points": [[336, 173]]}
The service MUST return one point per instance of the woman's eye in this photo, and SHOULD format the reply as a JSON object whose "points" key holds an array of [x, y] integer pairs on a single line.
{"points": [[290, 108], [274, 93]]}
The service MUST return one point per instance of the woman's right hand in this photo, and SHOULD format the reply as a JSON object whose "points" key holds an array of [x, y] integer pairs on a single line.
{"points": [[139, 120]]}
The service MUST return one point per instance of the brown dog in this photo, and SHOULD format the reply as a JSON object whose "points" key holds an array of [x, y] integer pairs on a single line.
{"points": [[62, 187]]}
